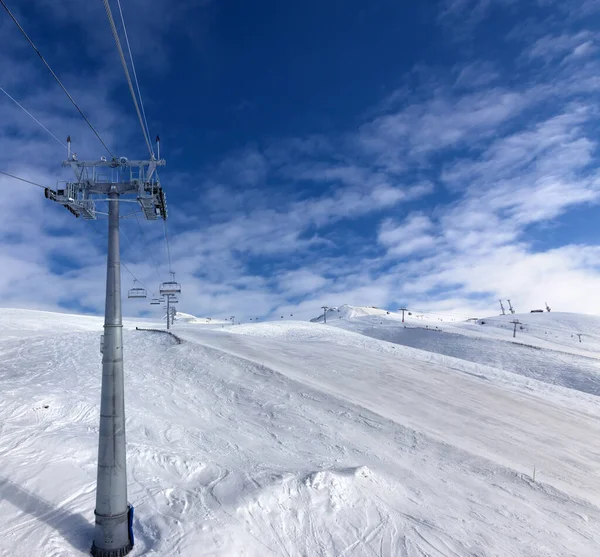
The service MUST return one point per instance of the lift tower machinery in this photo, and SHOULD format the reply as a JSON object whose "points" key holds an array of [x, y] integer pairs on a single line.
{"points": [[111, 181]]}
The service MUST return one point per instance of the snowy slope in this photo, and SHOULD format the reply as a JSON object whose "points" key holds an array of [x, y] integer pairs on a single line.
{"points": [[192, 319], [545, 347], [293, 439]]}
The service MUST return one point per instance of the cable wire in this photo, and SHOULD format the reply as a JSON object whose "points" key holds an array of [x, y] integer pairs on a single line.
{"points": [[149, 250], [166, 234], [22, 179], [134, 277], [32, 117], [137, 84], [121, 262], [167, 243], [126, 69], [55, 76]]}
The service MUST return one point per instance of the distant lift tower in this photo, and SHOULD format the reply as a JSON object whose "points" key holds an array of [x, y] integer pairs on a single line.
{"points": [[109, 180], [502, 308], [512, 311], [169, 290], [171, 315]]}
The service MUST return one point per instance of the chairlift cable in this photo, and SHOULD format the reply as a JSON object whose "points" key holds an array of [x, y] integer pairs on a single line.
{"points": [[166, 236], [126, 70], [133, 247], [55, 76], [154, 263], [137, 84], [32, 116], [22, 179], [134, 277], [167, 243], [122, 263]]}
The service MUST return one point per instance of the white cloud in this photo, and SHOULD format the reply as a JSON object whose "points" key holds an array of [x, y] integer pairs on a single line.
{"points": [[258, 238], [412, 236], [560, 138], [475, 75], [395, 140], [467, 13], [550, 47], [301, 281]]}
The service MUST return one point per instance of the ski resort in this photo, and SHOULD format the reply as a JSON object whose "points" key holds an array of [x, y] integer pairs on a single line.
{"points": [[346, 307], [363, 436]]}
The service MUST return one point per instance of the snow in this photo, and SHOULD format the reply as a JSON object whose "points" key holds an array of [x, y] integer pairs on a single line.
{"points": [[302, 439], [192, 319]]}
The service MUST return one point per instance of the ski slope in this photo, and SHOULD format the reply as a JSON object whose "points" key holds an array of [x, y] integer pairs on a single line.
{"points": [[300, 439], [546, 346]]}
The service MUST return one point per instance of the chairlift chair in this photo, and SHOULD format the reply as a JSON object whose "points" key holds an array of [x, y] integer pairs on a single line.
{"points": [[137, 291], [170, 286], [155, 302]]}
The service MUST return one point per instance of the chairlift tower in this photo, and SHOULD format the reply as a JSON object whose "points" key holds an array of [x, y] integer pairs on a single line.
{"points": [[511, 309], [110, 181], [169, 291], [502, 308]]}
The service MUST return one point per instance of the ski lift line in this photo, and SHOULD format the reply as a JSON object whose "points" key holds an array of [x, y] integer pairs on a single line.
{"points": [[126, 70], [122, 264], [137, 84], [132, 215], [127, 238], [55, 76], [133, 276], [166, 234], [32, 116], [22, 179], [167, 244], [154, 263], [132, 246]]}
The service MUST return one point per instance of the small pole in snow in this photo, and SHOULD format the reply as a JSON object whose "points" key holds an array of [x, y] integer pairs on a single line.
{"points": [[579, 335], [324, 308], [515, 322], [402, 310]]}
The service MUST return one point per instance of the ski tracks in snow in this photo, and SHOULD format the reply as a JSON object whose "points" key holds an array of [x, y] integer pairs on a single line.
{"points": [[231, 455]]}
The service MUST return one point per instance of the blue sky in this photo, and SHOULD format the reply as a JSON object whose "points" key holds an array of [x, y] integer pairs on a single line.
{"points": [[441, 155]]}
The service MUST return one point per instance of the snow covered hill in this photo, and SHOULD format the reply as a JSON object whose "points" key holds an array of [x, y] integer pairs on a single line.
{"points": [[300, 439], [192, 319], [547, 346]]}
